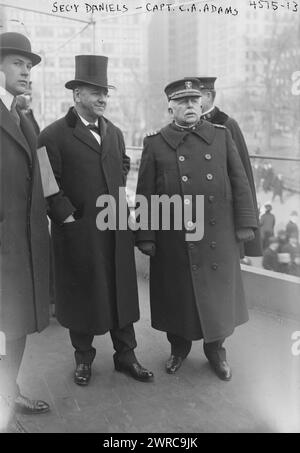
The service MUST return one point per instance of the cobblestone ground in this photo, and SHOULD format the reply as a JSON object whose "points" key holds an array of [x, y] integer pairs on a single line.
{"points": [[263, 396]]}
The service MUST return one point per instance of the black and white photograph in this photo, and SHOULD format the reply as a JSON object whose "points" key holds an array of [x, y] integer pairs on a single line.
{"points": [[149, 219]]}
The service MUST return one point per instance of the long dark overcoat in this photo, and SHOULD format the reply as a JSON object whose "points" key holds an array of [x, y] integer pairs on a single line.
{"points": [[24, 304], [95, 275], [195, 286], [216, 116]]}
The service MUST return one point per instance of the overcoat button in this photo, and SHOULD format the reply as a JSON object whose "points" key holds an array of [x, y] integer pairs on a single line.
{"points": [[181, 158], [207, 156], [214, 266], [184, 178], [209, 176], [213, 244], [211, 198], [191, 246], [212, 221], [194, 267]]}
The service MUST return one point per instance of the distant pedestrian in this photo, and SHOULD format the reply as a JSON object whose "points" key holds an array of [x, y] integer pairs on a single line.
{"points": [[270, 257], [270, 177], [278, 187], [265, 178], [282, 239], [259, 176], [293, 250], [267, 223], [292, 226]]}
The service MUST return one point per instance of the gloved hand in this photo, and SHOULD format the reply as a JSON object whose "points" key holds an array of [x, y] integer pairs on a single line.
{"points": [[147, 247], [244, 234]]}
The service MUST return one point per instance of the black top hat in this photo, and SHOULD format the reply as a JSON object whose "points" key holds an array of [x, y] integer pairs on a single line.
{"points": [[207, 83], [16, 43], [183, 88], [90, 70]]}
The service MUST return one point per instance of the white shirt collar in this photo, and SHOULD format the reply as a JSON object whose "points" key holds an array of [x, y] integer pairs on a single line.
{"points": [[6, 97], [208, 111], [85, 122]]}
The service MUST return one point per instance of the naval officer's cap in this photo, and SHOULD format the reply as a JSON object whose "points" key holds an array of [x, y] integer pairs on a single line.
{"points": [[187, 87], [207, 83]]}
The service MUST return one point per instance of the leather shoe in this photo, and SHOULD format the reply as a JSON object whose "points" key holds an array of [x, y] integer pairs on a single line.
{"points": [[82, 374], [216, 355], [25, 405], [222, 369], [135, 370], [173, 363]]}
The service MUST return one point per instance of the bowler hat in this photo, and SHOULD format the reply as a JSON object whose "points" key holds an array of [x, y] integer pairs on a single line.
{"points": [[183, 88], [16, 43], [90, 70]]}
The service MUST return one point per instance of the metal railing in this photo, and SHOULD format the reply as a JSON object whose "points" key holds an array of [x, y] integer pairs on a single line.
{"points": [[291, 183]]}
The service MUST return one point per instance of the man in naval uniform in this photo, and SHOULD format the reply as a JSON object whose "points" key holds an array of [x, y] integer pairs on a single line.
{"points": [[196, 288], [214, 115]]}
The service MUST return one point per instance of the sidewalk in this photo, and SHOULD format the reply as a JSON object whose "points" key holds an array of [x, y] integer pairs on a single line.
{"points": [[263, 396]]}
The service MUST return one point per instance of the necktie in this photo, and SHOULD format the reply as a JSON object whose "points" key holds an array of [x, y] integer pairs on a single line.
{"points": [[94, 128], [14, 113]]}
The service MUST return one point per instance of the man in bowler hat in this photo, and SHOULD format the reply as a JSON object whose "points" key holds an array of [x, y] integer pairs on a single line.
{"points": [[95, 275], [24, 305], [211, 113], [196, 289]]}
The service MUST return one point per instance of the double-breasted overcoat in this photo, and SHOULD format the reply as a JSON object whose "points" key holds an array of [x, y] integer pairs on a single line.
{"points": [[195, 286]]}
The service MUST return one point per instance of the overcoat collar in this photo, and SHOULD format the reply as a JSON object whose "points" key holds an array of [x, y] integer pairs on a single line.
{"points": [[175, 135], [215, 116], [83, 134], [26, 140]]}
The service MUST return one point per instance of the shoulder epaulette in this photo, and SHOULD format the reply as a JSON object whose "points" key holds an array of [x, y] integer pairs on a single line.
{"points": [[151, 133], [220, 126]]}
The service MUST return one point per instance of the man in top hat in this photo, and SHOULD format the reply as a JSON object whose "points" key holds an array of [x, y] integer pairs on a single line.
{"points": [[24, 305], [95, 275], [195, 284], [214, 115]]}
